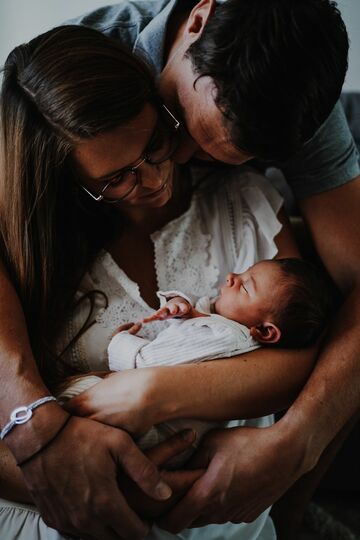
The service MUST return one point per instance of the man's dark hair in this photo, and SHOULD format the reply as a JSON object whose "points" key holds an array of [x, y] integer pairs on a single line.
{"points": [[278, 67], [310, 301]]}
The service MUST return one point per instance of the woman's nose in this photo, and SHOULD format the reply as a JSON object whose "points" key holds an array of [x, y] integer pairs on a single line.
{"points": [[151, 175]]}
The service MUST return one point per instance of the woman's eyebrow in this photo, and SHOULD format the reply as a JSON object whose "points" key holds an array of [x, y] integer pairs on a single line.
{"points": [[110, 175]]}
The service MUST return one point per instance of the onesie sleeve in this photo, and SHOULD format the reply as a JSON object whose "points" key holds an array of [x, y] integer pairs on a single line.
{"points": [[123, 349], [193, 341]]}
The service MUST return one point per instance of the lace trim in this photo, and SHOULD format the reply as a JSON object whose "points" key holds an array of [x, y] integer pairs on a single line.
{"points": [[125, 301], [186, 263]]}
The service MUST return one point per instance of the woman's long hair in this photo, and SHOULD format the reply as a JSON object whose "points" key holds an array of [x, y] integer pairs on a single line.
{"points": [[66, 85]]}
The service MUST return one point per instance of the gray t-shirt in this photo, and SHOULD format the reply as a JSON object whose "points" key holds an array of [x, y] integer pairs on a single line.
{"points": [[328, 160]]}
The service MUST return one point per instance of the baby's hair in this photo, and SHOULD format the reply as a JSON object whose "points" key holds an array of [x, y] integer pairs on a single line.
{"points": [[308, 305]]}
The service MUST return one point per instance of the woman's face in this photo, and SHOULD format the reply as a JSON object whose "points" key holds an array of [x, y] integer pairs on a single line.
{"points": [[100, 161]]}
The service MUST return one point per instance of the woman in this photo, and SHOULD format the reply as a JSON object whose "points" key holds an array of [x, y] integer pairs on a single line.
{"points": [[100, 214]]}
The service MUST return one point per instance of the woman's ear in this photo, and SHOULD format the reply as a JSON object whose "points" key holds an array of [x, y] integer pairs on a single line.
{"points": [[198, 19], [266, 333]]}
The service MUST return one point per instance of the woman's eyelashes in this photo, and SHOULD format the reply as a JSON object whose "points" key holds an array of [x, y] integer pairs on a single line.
{"points": [[245, 289]]}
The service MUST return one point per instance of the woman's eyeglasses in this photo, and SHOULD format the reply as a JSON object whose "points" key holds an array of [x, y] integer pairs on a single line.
{"points": [[162, 145]]}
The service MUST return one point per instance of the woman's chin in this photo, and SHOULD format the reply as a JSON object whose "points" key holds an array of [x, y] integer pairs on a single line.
{"points": [[156, 200]]}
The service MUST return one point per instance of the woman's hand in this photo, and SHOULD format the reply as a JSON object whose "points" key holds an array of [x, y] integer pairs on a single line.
{"points": [[123, 399]]}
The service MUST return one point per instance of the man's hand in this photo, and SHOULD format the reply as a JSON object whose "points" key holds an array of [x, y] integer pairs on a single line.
{"points": [[176, 307], [180, 481], [73, 482], [247, 470]]}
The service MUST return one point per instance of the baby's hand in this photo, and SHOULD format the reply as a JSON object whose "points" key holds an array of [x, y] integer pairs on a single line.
{"points": [[175, 307], [131, 328]]}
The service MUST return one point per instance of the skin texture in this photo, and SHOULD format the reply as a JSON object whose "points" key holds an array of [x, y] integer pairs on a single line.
{"points": [[44, 494], [329, 399], [311, 423]]}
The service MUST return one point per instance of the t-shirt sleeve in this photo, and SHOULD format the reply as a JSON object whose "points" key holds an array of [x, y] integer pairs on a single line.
{"points": [[328, 160], [121, 21]]}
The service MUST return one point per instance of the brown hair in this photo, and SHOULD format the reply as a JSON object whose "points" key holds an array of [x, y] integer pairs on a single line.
{"points": [[308, 304], [68, 84]]}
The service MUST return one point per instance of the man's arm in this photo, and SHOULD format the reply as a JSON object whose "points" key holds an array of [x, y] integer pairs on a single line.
{"points": [[331, 396], [270, 460], [83, 458]]}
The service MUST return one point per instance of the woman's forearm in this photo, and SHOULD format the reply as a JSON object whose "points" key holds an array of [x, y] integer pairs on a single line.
{"points": [[21, 383], [246, 386]]}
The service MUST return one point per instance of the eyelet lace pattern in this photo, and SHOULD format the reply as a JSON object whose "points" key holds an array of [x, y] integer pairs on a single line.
{"points": [[228, 227]]}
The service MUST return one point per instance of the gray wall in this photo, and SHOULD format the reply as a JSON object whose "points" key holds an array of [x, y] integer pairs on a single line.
{"points": [[20, 20]]}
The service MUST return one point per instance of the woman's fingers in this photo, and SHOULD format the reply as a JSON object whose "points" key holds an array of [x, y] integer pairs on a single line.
{"points": [[164, 451]]}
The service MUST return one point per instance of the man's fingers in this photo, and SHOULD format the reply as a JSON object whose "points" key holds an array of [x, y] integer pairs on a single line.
{"points": [[181, 481], [200, 459], [185, 512], [161, 453], [124, 524], [141, 470]]}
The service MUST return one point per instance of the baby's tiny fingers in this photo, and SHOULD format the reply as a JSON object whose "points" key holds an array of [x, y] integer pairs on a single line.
{"points": [[184, 308], [135, 328], [123, 328], [174, 309]]}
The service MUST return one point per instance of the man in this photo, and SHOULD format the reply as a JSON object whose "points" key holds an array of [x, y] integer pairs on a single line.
{"points": [[251, 78]]}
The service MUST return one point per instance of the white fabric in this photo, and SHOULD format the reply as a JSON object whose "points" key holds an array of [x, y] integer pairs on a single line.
{"points": [[230, 225], [183, 341]]}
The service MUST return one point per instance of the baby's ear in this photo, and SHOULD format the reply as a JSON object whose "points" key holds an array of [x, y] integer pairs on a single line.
{"points": [[266, 333]]}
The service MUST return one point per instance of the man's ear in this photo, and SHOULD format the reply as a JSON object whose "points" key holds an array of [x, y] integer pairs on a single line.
{"points": [[266, 333], [198, 19]]}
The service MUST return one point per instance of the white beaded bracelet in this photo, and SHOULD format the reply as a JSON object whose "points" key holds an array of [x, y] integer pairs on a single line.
{"points": [[22, 414]]}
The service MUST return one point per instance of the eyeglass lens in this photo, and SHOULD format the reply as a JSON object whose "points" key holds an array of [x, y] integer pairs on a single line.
{"points": [[160, 148]]}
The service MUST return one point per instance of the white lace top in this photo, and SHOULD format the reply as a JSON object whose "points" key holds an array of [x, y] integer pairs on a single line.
{"points": [[230, 224]]}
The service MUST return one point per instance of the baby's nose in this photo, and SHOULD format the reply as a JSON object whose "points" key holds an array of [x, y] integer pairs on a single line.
{"points": [[230, 278]]}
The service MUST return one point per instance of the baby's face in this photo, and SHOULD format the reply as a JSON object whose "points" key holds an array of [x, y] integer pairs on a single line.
{"points": [[250, 297]]}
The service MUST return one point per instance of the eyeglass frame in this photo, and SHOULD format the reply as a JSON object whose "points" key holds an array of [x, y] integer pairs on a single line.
{"points": [[133, 170]]}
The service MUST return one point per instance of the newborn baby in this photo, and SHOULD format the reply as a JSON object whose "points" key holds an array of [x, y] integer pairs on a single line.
{"points": [[280, 302]]}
